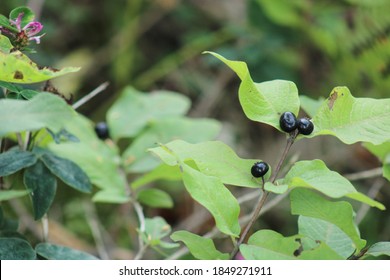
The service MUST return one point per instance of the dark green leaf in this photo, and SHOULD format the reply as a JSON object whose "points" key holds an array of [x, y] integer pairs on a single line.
{"points": [[29, 93], [15, 160], [27, 15], [200, 247], [56, 252], [69, 172], [11, 87], [16, 249], [43, 185]]}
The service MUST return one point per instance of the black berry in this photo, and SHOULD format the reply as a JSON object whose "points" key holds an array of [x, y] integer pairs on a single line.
{"points": [[259, 169], [101, 130], [288, 122], [305, 126]]}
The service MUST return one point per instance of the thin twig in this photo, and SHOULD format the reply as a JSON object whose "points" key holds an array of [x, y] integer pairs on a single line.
{"points": [[365, 174], [20, 140], [90, 95], [94, 224], [372, 193]]}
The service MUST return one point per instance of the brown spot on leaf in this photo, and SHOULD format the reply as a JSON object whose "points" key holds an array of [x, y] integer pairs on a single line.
{"points": [[18, 75], [332, 98]]}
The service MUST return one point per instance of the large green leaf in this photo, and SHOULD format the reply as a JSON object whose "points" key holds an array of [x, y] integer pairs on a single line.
{"points": [[213, 158], [326, 232], [200, 247], [353, 119], [15, 160], [57, 252], [16, 249], [44, 110], [99, 160], [68, 171], [18, 68], [162, 131], [215, 197], [310, 204], [133, 110], [314, 174], [263, 102], [43, 185]]}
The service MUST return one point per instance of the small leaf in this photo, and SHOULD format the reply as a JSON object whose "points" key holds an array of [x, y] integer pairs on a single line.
{"points": [[28, 15], [68, 171], [110, 196], [353, 119], [379, 249], [56, 252], [263, 102], [309, 105], [9, 86], [215, 197], [314, 174], [44, 110], [156, 229], [200, 247], [16, 249], [43, 185], [11, 194], [328, 233], [15, 160], [162, 172], [155, 198], [133, 110], [307, 203], [269, 245]]}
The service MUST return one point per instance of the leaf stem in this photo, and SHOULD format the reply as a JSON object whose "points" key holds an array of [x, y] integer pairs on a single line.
{"points": [[90, 95]]}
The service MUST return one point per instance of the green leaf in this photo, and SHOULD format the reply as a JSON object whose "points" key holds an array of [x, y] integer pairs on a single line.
{"points": [[307, 203], [328, 233], [163, 131], [68, 171], [28, 15], [155, 198], [44, 110], [156, 229], [215, 197], [213, 158], [5, 43], [9, 86], [11, 194], [382, 151], [314, 174], [99, 160], [353, 119], [29, 93], [56, 252], [134, 110], [16, 249], [43, 185], [269, 245], [201, 248], [321, 252], [15, 160], [263, 102], [162, 172], [19, 68], [379, 249]]}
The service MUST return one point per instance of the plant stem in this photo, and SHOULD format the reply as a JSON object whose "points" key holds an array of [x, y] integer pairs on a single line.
{"points": [[90, 95], [45, 228], [20, 140], [263, 198]]}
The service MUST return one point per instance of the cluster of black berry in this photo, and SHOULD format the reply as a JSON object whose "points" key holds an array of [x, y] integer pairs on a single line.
{"points": [[288, 123]]}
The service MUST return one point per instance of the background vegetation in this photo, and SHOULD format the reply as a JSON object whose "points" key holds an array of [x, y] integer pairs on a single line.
{"points": [[154, 45]]}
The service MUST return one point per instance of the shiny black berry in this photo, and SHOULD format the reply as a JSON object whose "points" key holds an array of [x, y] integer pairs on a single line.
{"points": [[288, 122], [101, 130], [305, 126], [259, 169]]}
